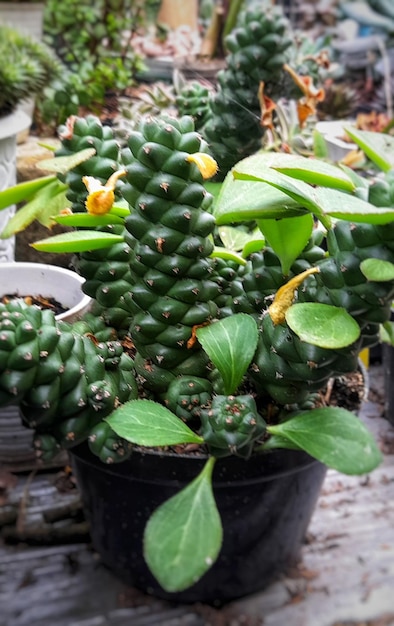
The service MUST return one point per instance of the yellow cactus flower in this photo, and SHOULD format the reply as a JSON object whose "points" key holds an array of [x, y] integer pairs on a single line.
{"points": [[205, 163], [101, 197], [285, 296]]}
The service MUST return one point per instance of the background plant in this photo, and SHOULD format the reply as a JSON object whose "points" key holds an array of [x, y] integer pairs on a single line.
{"points": [[27, 66], [93, 42]]}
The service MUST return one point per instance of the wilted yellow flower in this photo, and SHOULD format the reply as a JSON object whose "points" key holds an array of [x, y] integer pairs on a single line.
{"points": [[205, 163], [101, 197]]}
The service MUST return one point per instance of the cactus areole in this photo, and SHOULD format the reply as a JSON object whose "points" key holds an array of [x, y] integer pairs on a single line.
{"points": [[200, 350]]}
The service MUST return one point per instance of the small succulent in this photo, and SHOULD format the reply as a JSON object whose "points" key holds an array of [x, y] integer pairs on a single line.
{"points": [[27, 67]]}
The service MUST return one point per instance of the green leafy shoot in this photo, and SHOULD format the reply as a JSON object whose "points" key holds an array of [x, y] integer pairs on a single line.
{"points": [[378, 147], [47, 203], [224, 253], [377, 270], [183, 536], [77, 241], [230, 344], [318, 324], [148, 423], [63, 164], [332, 435], [87, 220], [23, 191]]}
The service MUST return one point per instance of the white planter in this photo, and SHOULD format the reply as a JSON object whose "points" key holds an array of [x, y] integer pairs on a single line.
{"points": [[16, 450], [334, 135], [10, 126], [25, 16]]}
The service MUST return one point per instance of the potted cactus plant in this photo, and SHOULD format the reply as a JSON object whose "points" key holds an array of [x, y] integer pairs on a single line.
{"points": [[216, 327], [210, 354]]}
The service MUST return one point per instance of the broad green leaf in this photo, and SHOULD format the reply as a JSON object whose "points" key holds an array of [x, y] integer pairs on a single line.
{"points": [[344, 206], [287, 237], [87, 220], [378, 147], [322, 325], [386, 334], [149, 423], [241, 200], [308, 170], [23, 191], [184, 535], [77, 241], [47, 202], [63, 164], [230, 344], [377, 270], [334, 436]]}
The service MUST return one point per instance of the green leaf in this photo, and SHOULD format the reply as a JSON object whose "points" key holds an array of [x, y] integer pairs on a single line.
{"points": [[387, 333], [63, 164], [219, 252], [377, 270], [184, 535], [287, 237], [149, 423], [86, 220], [77, 241], [241, 200], [344, 206], [23, 191], [378, 147], [47, 202], [234, 238], [334, 436], [230, 344], [308, 170], [322, 325]]}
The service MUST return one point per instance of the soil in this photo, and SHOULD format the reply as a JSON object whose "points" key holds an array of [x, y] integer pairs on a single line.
{"points": [[36, 300]]}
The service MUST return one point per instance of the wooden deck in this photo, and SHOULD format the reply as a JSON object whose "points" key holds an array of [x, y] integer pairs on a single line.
{"points": [[49, 575]]}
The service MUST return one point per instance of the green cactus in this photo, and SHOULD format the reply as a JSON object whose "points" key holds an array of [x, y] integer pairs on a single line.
{"points": [[107, 272], [258, 48], [232, 424], [64, 382], [168, 233], [193, 100]]}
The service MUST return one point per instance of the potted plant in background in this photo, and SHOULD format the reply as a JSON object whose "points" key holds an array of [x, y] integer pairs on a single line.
{"points": [[27, 66], [210, 362]]}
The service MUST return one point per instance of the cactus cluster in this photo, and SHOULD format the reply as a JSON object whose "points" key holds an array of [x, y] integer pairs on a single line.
{"points": [[64, 382], [163, 283]]}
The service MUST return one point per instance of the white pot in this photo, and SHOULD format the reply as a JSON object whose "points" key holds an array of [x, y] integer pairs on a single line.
{"points": [[335, 137], [10, 126], [25, 278]]}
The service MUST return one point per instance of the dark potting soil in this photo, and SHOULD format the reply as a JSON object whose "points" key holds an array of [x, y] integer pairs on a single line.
{"points": [[40, 301]]}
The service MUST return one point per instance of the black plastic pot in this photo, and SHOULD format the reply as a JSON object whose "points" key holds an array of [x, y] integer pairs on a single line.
{"points": [[265, 503], [388, 368]]}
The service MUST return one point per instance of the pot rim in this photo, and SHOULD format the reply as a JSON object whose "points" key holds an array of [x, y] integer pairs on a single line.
{"points": [[304, 461]]}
